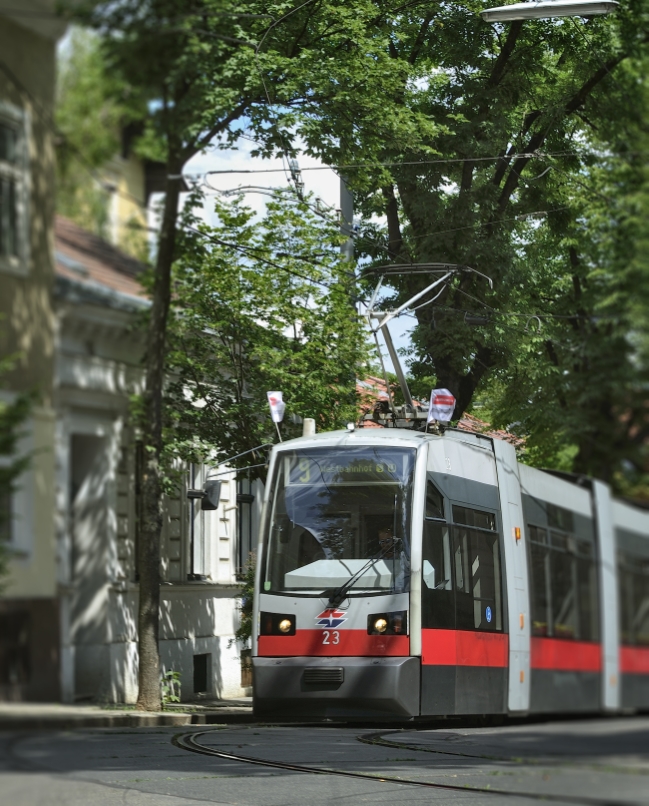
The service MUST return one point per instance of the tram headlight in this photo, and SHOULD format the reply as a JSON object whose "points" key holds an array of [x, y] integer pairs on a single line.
{"points": [[395, 623], [276, 624]]}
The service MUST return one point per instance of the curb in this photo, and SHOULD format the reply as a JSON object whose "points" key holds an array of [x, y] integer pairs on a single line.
{"points": [[121, 720]]}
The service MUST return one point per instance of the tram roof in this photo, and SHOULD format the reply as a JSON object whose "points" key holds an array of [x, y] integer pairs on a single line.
{"points": [[400, 436]]}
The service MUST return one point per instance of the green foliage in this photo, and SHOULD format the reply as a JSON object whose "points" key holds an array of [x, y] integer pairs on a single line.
{"points": [[246, 600], [577, 378], [93, 106], [170, 687], [192, 63], [499, 148], [258, 306], [507, 148]]}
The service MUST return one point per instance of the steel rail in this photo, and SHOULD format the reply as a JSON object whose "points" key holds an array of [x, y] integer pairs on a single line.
{"points": [[188, 741], [379, 740]]}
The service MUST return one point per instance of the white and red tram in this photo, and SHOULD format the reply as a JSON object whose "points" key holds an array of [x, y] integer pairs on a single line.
{"points": [[406, 574]]}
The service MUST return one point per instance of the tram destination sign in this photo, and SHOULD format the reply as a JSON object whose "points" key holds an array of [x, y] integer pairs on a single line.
{"points": [[392, 466]]}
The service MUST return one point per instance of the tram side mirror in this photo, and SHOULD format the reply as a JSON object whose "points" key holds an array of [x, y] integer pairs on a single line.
{"points": [[210, 500], [209, 496], [429, 575]]}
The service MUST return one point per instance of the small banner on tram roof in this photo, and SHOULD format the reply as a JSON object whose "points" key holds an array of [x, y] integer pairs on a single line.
{"points": [[442, 405], [277, 406]]}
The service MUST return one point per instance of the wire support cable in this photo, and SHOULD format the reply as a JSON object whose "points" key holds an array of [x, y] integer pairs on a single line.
{"points": [[399, 163]]}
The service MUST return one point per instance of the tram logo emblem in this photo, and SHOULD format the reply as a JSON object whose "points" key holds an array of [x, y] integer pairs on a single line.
{"points": [[330, 618]]}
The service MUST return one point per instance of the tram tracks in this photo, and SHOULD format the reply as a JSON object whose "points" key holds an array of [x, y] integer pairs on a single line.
{"points": [[379, 740], [191, 743]]}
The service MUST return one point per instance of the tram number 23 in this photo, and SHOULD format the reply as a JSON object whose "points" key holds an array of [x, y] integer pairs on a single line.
{"points": [[330, 637]]}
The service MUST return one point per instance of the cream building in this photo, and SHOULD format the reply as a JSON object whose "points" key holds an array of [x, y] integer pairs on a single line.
{"points": [[69, 303], [99, 460], [29, 611]]}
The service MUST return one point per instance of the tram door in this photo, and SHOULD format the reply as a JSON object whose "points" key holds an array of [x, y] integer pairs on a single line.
{"points": [[464, 642]]}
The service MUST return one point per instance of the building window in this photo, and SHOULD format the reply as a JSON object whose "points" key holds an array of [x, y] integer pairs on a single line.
{"points": [[434, 502], [563, 584], [245, 544], [13, 189]]}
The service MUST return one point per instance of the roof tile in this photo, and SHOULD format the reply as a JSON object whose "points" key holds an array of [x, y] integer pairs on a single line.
{"points": [[82, 256]]}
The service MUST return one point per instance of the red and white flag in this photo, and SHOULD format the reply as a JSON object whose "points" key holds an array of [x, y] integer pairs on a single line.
{"points": [[442, 405], [277, 406]]}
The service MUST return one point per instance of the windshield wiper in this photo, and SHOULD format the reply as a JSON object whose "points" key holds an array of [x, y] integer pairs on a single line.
{"points": [[340, 593]]}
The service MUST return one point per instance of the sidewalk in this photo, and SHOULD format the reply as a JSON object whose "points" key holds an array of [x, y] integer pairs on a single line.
{"points": [[57, 716]]}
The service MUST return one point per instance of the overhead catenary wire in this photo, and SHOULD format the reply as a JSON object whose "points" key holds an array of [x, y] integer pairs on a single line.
{"points": [[396, 163], [256, 256], [274, 24], [288, 173], [537, 154], [124, 194]]}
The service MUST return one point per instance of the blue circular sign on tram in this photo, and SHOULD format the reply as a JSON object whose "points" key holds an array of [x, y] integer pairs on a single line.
{"points": [[488, 614]]}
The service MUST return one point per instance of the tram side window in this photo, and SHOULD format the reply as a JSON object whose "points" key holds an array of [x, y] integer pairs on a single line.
{"points": [[461, 574], [563, 585], [474, 517], [560, 518], [539, 581], [434, 502], [633, 581], [438, 594]]}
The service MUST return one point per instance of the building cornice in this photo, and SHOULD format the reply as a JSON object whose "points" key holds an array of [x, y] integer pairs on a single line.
{"points": [[86, 292]]}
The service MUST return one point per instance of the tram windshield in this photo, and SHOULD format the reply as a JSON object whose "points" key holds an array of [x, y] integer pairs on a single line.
{"points": [[332, 510]]}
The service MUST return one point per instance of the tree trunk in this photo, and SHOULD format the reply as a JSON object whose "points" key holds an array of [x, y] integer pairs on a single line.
{"points": [[149, 540]]}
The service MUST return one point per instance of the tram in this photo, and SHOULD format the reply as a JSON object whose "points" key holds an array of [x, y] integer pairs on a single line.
{"points": [[404, 574]]}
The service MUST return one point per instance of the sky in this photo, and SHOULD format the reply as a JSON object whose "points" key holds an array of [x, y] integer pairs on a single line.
{"points": [[323, 183]]}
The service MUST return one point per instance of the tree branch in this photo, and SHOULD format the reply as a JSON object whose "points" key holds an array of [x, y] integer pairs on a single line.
{"points": [[419, 41], [195, 146], [537, 140], [504, 163], [505, 54], [492, 82]]}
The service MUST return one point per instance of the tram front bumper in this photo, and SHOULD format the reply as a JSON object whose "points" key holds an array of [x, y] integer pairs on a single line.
{"points": [[349, 688]]}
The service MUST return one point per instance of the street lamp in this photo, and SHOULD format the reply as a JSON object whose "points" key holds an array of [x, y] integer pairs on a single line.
{"points": [[545, 9]]}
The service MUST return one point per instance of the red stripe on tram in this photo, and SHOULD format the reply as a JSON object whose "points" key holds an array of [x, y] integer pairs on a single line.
{"points": [[350, 643], [564, 655], [634, 660], [464, 648]]}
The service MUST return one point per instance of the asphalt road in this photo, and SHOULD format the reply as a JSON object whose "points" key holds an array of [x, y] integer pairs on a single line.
{"points": [[587, 761]]}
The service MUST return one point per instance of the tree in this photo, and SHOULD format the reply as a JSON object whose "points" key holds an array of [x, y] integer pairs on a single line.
{"points": [[391, 89], [587, 366], [94, 106], [257, 306], [188, 61], [203, 67], [518, 122]]}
